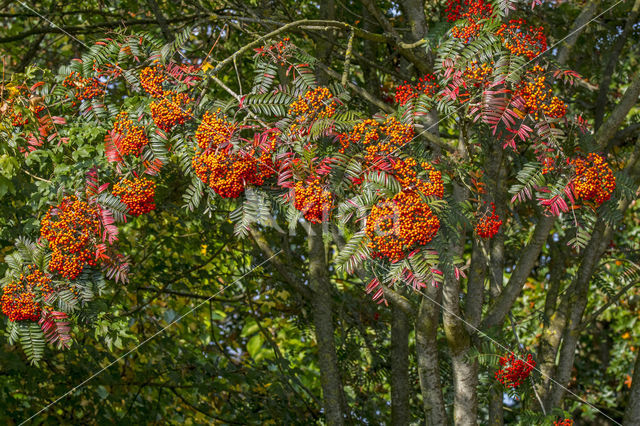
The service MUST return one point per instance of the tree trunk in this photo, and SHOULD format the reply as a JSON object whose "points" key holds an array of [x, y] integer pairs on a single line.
{"points": [[323, 321], [400, 411], [496, 411], [427, 355], [465, 371], [632, 413]]}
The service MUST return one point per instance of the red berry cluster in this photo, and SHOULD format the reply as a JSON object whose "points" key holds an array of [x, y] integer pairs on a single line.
{"points": [[313, 199], [488, 225], [151, 79], [171, 110], [20, 298], [594, 179], [563, 422], [277, 52], [458, 9], [72, 229], [138, 194], [522, 41], [378, 139], [398, 225], [514, 370], [427, 85], [315, 104], [537, 97], [131, 138], [84, 88]]}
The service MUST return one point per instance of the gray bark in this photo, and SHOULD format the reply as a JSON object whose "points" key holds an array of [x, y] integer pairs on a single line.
{"points": [[400, 411], [323, 321], [427, 355]]}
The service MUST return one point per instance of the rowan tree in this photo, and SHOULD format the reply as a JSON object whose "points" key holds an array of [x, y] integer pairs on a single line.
{"points": [[479, 204]]}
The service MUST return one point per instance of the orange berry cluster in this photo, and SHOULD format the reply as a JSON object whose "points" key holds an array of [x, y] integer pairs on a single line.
{"points": [[488, 226], [171, 110], [548, 165], [514, 371], [151, 79], [537, 97], [427, 85], [564, 422], [20, 299], [594, 179], [478, 74], [405, 172], [138, 194], [18, 120], [313, 200], [214, 131], [457, 9], [522, 41], [72, 229], [132, 137], [84, 88], [378, 139], [398, 225], [468, 31], [314, 105], [228, 174]]}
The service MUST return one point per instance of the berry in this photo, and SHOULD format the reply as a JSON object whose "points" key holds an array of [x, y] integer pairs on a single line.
{"points": [[138, 194], [594, 179], [398, 225], [278, 52], [426, 85], [171, 110], [20, 299], [316, 104], [457, 9], [214, 131], [514, 370], [522, 41], [478, 74], [378, 139], [564, 422], [536, 97], [130, 138], [151, 79], [488, 226], [84, 88], [313, 200], [72, 229], [229, 173], [18, 120], [405, 173]]}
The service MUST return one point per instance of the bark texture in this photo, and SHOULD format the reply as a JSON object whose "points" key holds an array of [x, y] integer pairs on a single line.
{"points": [[323, 321], [427, 354], [400, 411]]}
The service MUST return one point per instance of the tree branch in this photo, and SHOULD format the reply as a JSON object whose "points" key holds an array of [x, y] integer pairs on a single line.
{"points": [[523, 268], [88, 29], [618, 115]]}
